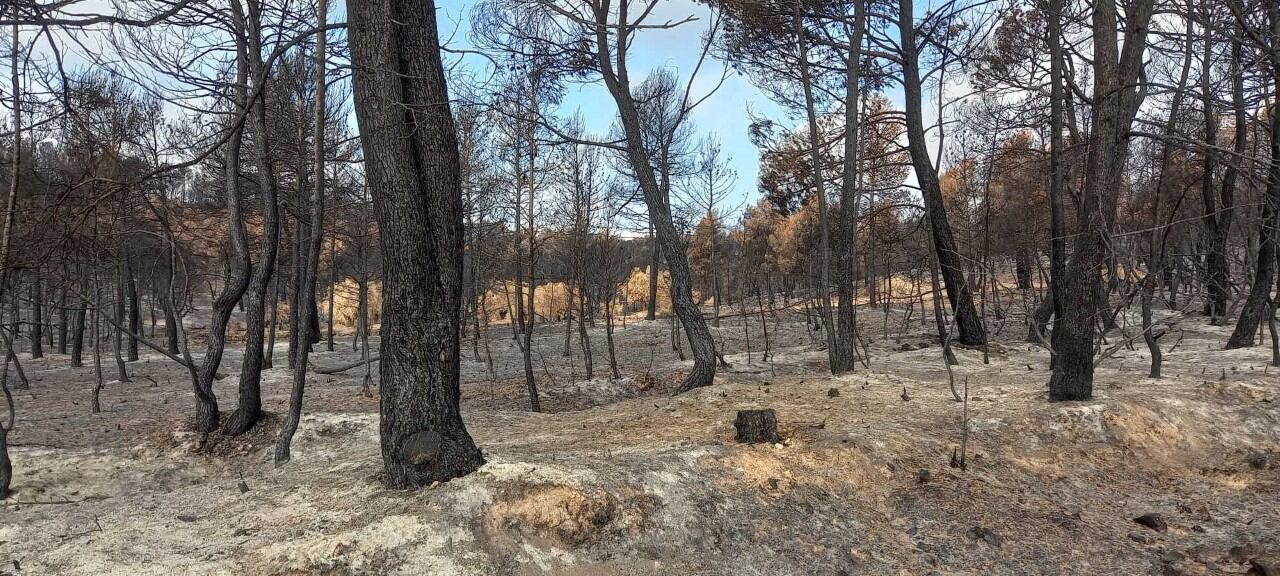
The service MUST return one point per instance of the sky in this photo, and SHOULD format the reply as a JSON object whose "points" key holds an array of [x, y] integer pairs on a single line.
{"points": [[725, 114]]}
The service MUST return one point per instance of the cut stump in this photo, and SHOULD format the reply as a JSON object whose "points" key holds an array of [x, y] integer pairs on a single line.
{"points": [[756, 426]]}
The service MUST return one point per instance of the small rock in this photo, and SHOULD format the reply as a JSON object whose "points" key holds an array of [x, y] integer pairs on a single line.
{"points": [[1266, 565], [986, 535], [186, 518], [1244, 553], [1154, 521]]}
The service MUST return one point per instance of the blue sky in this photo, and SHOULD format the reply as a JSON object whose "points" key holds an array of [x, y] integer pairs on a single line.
{"points": [[725, 114]]}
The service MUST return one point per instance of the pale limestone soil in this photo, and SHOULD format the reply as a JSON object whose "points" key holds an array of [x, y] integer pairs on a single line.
{"points": [[638, 482]]}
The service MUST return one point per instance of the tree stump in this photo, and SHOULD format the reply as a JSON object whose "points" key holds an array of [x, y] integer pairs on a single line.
{"points": [[755, 426]]}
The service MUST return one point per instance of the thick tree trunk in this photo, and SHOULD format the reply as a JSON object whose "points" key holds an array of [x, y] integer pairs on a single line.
{"points": [[95, 336], [1022, 269], [249, 406], [1217, 215], [268, 351], [968, 325], [1256, 305], [37, 318], [170, 325], [1220, 264], [584, 340], [756, 426], [608, 336], [1116, 101], [77, 337], [412, 166], [295, 288], [117, 335], [62, 321], [237, 256], [6, 465], [844, 356], [668, 238]]}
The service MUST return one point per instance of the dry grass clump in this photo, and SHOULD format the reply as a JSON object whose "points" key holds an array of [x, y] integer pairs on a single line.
{"points": [[569, 515]]}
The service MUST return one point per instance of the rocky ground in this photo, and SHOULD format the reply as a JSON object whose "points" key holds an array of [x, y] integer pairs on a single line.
{"points": [[619, 477]]}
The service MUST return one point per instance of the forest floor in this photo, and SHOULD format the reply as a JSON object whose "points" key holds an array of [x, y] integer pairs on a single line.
{"points": [[621, 478]]}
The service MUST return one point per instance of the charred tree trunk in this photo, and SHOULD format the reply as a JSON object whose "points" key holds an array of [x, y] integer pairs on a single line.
{"points": [[756, 426], [224, 303], [584, 340], [63, 321], [1255, 307], [333, 288], [134, 308], [834, 363], [36, 335], [1216, 219], [170, 325], [314, 244], [608, 336], [77, 337], [668, 238], [844, 357], [117, 336], [269, 350], [968, 325], [295, 287], [255, 298], [412, 165], [1116, 101]]}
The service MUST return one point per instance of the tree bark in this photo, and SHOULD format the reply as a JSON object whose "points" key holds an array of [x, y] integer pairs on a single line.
{"points": [[249, 407], [844, 357], [62, 321], [412, 166], [77, 337], [37, 319], [1216, 218], [314, 244], [1256, 305], [1115, 102], [237, 256], [134, 310], [333, 287], [668, 238], [819, 191], [968, 325]]}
